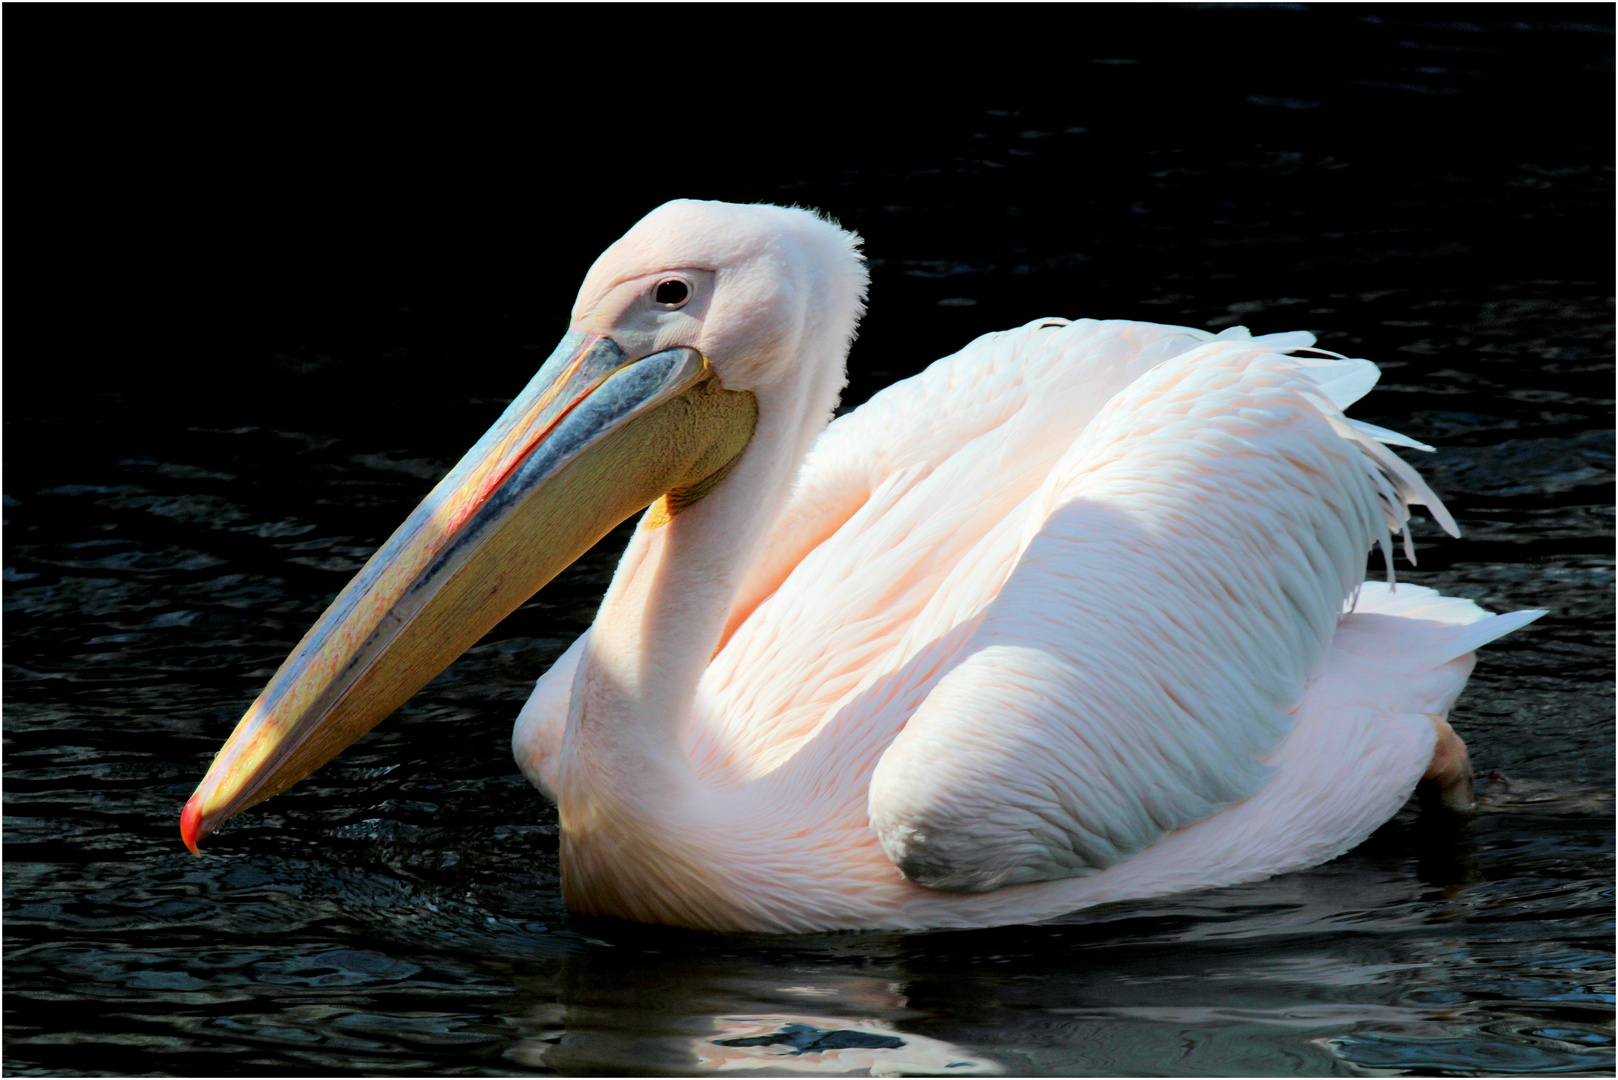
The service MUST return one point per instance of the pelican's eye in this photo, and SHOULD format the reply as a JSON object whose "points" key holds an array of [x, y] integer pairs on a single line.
{"points": [[671, 293]]}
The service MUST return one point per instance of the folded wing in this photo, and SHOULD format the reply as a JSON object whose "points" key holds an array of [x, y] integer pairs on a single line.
{"points": [[1181, 574], [897, 500]]}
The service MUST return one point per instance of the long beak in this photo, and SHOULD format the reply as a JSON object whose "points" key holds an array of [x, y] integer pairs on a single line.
{"points": [[594, 438]]}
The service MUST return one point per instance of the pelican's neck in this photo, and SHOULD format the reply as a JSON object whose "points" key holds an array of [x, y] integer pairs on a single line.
{"points": [[661, 620]]}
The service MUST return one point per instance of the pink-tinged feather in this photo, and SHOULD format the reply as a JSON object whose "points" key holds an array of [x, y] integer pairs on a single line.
{"points": [[1078, 614]]}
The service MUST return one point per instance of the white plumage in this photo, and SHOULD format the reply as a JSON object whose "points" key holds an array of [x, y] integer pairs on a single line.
{"points": [[1075, 615]]}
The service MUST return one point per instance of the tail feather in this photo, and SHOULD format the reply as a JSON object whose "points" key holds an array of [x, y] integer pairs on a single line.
{"points": [[1471, 627], [1472, 637]]}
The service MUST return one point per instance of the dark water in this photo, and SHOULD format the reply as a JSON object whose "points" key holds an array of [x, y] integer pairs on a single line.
{"points": [[234, 388]]}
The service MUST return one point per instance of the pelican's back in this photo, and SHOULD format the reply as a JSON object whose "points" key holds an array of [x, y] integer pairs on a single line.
{"points": [[910, 514]]}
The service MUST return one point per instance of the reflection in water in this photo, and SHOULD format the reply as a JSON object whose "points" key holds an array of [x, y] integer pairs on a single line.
{"points": [[695, 1010], [818, 1044], [1390, 954], [783, 1042], [637, 1004]]}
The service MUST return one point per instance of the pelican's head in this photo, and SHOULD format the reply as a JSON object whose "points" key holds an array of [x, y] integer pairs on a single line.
{"points": [[752, 288], [699, 316]]}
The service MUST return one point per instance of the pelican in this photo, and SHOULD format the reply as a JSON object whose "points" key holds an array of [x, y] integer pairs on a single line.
{"points": [[1075, 615]]}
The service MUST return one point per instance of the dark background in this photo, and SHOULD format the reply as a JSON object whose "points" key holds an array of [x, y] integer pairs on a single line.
{"points": [[399, 205], [272, 269]]}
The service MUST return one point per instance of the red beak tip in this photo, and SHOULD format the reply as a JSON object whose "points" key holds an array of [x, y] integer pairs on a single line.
{"points": [[191, 824]]}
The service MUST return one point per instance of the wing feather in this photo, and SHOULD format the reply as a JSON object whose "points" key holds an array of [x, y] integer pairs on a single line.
{"points": [[891, 503], [1188, 561]]}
